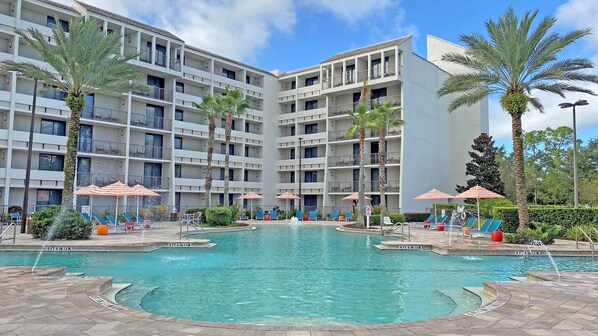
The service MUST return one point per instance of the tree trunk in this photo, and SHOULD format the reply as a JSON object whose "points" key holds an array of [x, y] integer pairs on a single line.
{"points": [[208, 186], [361, 202], [382, 173], [229, 118], [76, 104], [519, 171]]}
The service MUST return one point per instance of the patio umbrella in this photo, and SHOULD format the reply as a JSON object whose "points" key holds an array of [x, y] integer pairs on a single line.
{"points": [[115, 189], [87, 191], [433, 194], [250, 196], [287, 196], [139, 190], [354, 197], [478, 192]]}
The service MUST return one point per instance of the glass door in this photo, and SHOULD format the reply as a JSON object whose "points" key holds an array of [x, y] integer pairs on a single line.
{"points": [[86, 138], [152, 175], [83, 171], [88, 110], [153, 146]]}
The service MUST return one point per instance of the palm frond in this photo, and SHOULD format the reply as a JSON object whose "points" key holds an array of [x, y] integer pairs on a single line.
{"points": [[536, 104], [468, 98]]}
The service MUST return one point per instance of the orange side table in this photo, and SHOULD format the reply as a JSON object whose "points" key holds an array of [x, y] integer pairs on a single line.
{"points": [[466, 232]]}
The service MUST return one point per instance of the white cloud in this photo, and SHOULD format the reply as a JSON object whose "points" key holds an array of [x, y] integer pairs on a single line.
{"points": [[580, 14], [350, 11]]}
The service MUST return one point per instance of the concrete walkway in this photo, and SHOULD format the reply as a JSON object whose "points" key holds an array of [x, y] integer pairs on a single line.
{"points": [[48, 303]]}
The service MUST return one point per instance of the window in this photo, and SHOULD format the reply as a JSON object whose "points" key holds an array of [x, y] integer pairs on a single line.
{"points": [[231, 149], [310, 202], [153, 146], [292, 156], [223, 124], [247, 79], [311, 176], [160, 55], [157, 85], [152, 175], [378, 93], [246, 127], [178, 115], [246, 176], [53, 127], [311, 152], [154, 116], [54, 94], [48, 197], [231, 175], [178, 171], [86, 141], [51, 23], [246, 151], [292, 130], [311, 105], [292, 179], [376, 68], [293, 108], [180, 87], [311, 128], [293, 85], [178, 143], [51, 162], [229, 73], [311, 81]]}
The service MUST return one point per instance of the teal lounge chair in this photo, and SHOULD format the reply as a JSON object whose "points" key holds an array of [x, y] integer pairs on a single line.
{"points": [[273, 215], [430, 219], [348, 216], [114, 226], [469, 224], [259, 214], [484, 227], [493, 227], [334, 215], [313, 215], [100, 219], [299, 214], [128, 218], [86, 217], [441, 220]]}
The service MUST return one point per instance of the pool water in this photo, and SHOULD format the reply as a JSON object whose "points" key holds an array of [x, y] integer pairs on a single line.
{"points": [[297, 275]]}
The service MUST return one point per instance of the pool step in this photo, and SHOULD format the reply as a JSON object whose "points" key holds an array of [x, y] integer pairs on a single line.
{"points": [[134, 295], [519, 279], [481, 294], [112, 292], [74, 274], [463, 299]]}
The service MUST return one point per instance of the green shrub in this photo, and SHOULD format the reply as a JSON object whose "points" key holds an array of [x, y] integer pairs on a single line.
{"points": [[573, 232], [515, 238], [416, 216], [69, 224], [452, 206], [488, 204], [375, 219], [220, 216], [542, 231], [563, 216], [235, 210]]}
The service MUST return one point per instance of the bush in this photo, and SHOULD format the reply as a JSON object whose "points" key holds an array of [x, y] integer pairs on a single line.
{"points": [[538, 231], [453, 206], [235, 210], [375, 219], [563, 216], [70, 224], [220, 216], [515, 238], [573, 233], [15, 209], [158, 213], [488, 204], [416, 216]]}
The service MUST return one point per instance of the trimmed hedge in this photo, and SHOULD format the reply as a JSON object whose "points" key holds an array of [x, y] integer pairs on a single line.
{"points": [[190, 211], [563, 216], [375, 219], [453, 206], [220, 216], [416, 216]]}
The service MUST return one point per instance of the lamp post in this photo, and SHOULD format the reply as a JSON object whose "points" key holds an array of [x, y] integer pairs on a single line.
{"points": [[575, 187], [28, 167], [300, 178]]}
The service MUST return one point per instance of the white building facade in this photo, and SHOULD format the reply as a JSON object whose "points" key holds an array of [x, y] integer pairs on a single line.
{"points": [[160, 140]]}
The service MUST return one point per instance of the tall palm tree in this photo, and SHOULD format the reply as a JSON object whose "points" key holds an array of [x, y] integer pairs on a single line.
{"points": [[384, 117], [233, 104], [211, 108], [84, 61], [514, 61], [362, 120]]}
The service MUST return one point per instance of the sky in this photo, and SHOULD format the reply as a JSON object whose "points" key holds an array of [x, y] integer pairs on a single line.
{"points": [[293, 34]]}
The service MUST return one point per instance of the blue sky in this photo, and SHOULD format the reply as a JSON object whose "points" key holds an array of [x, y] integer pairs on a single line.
{"points": [[292, 34]]}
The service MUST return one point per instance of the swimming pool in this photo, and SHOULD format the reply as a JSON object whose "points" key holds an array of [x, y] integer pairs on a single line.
{"points": [[297, 275]]}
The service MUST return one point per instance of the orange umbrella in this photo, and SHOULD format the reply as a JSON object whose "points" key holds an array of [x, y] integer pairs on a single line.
{"points": [[251, 196], [354, 197], [87, 191], [287, 196], [115, 189], [140, 190], [478, 192], [433, 194]]}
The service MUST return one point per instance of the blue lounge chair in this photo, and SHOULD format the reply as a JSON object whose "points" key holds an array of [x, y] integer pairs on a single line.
{"points": [[485, 226], [334, 215], [348, 216], [313, 215], [469, 224], [128, 218], [299, 214], [151, 224], [259, 214], [441, 220], [100, 219], [430, 219], [273, 215], [493, 227], [86, 217]]}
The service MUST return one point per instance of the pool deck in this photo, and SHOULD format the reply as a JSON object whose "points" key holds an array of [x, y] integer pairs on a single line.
{"points": [[50, 303]]}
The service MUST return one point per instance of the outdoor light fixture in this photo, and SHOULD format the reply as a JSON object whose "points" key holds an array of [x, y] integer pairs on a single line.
{"points": [[575, 187]]}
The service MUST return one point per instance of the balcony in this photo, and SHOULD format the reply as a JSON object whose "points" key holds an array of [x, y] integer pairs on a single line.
{"points": [[146, 56], [370, 186], [142, 120], [340, 136], [175, 65], [104, 114], [379, 71], [150, 182], [344, 109], [149, 152], [157, 93], [369, 159], [129, 50], [99, 179], [160, 58], [101, 147]]}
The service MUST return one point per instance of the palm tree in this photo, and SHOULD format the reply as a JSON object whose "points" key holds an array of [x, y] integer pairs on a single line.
{"points": [[233, 104], [211, 108], [84, 61], [384, 117], [514, 61], [362, 120]]}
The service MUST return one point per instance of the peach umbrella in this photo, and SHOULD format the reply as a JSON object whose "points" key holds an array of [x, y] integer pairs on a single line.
{"points": [[251, 196], [115, 189], [478, 192], [140, 190], [287, 196], [354, 197], [87, 191], [433, 194]]}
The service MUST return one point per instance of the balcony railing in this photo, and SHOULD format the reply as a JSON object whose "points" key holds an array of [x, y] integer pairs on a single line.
{"points": [[130, 50], [340, 136], [101, 147], [343, 109], [175, 64], [149, 152], [99, 179], [390, 158], [157, 93], [150, 182], [368, 159], [146, 56], [142, 120], [353, 186], [104, 114]]}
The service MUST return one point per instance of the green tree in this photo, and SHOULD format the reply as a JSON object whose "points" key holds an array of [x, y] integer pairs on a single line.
{"points": [[384, 116], [234, 105], [483, 167], [211, 108], [361, 120], [507, 173], [515, 60], [84, 61]]}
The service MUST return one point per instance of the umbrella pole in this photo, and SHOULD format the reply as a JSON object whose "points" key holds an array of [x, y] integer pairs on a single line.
{"points": [[91, 206], [116, 212], [478, 201], [137, 197]]}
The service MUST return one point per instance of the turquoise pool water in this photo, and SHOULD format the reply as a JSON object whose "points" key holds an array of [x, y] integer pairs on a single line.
{"points": [[297, 275]]}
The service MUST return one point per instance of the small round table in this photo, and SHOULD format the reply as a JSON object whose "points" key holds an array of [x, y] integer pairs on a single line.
{"points": [[466, 232]]}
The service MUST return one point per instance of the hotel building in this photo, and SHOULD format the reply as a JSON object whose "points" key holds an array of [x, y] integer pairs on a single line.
{"points": [[160, 140]]}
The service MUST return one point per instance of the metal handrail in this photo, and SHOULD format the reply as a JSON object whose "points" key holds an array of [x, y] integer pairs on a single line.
{"points": [[6, 230], [402, 225], [588, 237], [192, 220]]}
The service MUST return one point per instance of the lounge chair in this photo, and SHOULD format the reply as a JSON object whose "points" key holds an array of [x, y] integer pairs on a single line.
{"points": [[85, 216], [144, 221], [387, 221], [299, 214], [485, 226], [468, 225], [430, 219], [313, 215], [259, 214], [333, 216], [441, 220], [128, 218], [492, 227], [112, 224], [100, 219], [273, 215], [348, 216]]}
